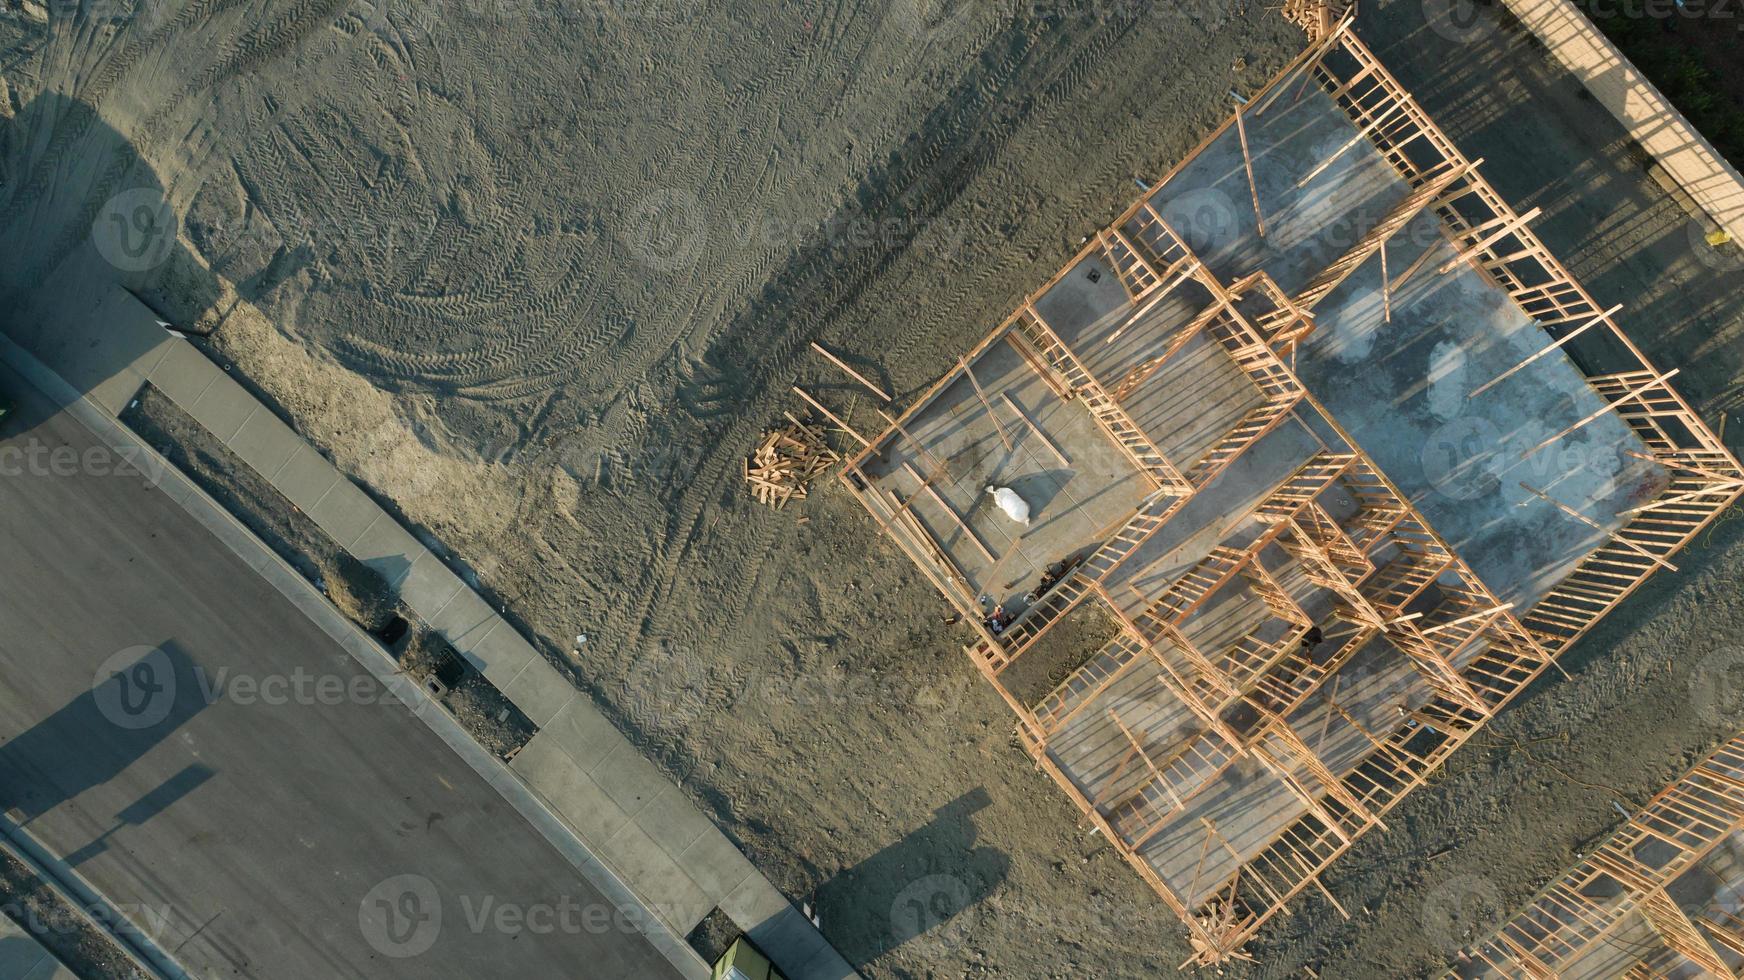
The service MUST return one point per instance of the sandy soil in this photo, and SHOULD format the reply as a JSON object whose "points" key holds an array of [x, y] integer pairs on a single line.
{"points": [[540, 280]]}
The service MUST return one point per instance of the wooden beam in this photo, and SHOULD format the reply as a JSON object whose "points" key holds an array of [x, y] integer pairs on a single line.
{"points": [[1572, 334], [1508, 227], [1362, 133], [1682, 498], [1188, 268], [1034, 361], [1386, 287], [1039, 434], [850, 372], [1253, 186], [1634, 393], [1468, 618], [998, 426], [927, 485], [937, 463], [845, 427]]}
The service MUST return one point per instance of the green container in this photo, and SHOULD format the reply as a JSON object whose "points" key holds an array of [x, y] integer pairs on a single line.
{"points": [[743, 961]]}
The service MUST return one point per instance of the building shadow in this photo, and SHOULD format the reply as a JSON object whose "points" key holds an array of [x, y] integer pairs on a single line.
{"points": [[170, 791], [90, 254], [136, 701], [912, 886]]}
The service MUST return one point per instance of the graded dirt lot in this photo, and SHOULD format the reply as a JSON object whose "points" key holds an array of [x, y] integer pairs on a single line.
{"points": [[540, 274]]}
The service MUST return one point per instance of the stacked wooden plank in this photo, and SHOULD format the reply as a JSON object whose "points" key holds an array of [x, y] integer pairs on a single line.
{"points": [[786, 461]]}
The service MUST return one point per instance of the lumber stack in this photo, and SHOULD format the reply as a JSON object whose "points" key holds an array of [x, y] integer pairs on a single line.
{"points": [[786, 461]]}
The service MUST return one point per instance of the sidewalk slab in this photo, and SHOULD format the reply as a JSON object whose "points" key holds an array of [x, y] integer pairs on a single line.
{"points": [[429, 585], [183, 374], [500, 654], [628, 778], [345, 512], [655, 876], [389, 549], [540, 691], [570, 792], [715, 864], [671, 821], [305, 477], [467, 621], [582, 733], [265, 443], [224, 407]]}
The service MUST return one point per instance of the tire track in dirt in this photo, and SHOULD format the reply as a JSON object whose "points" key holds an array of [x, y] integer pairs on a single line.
{"points": [[934, 173]]}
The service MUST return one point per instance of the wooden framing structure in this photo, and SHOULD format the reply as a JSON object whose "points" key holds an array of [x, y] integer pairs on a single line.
{"points": [[1489, 234], [1335, 550], [1626, 880]]}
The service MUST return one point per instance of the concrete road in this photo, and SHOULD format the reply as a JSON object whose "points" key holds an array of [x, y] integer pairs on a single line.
{"points": [[216, 766]]}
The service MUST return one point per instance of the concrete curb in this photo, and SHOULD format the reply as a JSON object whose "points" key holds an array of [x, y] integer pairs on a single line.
{"points": [[62, 878], [364, 650], [1650, 119]]}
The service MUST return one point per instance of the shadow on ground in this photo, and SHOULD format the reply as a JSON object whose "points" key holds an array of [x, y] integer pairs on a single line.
{"points": [[914, 885]]}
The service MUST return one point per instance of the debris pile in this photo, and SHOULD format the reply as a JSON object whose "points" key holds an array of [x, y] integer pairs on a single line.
{"points": [[787, 461]]}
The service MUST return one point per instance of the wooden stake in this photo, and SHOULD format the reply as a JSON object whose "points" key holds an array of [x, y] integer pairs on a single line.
{"points": [[857, 376], [1572, 334], [1411, 270], [1253, 186], [1633, 394], [845, 427]]}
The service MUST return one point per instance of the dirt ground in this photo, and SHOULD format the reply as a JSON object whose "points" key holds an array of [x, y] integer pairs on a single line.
{"points": [[541, 273], [79, 945]]}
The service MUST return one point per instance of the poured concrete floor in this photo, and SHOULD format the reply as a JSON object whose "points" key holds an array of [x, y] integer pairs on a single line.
{"points": [[1077, 498]]}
